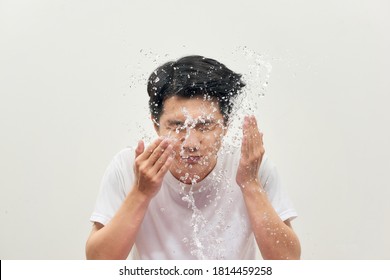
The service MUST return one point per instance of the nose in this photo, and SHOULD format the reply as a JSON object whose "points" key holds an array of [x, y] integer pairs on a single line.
{"points": [[191, 141]]}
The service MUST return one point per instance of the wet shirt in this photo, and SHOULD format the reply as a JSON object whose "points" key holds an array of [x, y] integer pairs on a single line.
{"points": [[207, 220]]}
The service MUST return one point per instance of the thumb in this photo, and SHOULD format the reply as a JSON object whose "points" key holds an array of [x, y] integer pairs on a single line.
{"points": [[140, 148]]}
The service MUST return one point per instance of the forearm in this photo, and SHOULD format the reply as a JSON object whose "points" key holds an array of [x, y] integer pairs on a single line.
{"points": [[275, 239], [116, 239]]}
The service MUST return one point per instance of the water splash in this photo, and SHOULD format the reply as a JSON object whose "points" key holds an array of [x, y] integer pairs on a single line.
{"points": [[205, 242], [138, 72], [256, 74]]}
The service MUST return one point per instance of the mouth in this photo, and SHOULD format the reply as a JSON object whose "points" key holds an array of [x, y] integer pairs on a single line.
{"points": [[191, 159]]}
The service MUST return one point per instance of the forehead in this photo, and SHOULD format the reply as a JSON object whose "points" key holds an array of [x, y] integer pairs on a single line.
{"points": [[177, 107]]}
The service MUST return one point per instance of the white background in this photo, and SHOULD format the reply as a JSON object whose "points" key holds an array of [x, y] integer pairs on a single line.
{"points": [[73, 93]]}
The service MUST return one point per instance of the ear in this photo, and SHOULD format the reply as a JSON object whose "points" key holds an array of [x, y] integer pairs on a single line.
{"points": [[225, 126], [156, 125], [225, 130]]}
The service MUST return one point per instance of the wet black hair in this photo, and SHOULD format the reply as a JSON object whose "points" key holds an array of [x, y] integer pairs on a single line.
{"points": [[193, 76]]}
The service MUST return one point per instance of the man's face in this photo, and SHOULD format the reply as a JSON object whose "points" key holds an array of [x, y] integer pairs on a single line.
{"points": [[197, 128]]}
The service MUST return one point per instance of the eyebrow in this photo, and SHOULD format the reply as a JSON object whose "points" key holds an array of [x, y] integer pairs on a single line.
{"points": [[175, 122], [207, 121], [199, 121]]}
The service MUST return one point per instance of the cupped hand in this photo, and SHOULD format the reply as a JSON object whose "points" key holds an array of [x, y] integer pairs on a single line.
{"points": [[151, 165], [252, 151]]}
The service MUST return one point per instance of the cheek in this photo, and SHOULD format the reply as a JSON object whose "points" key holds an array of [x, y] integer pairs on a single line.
{"points": [[213, 141], [176, 135], [164, 132], [177, 148]]}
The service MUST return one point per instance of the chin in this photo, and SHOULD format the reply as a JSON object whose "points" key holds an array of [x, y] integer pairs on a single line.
{"points": [[187, 172]]}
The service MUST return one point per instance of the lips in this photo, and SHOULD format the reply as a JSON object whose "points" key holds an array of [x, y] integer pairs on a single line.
{"points": [[192, 159]]}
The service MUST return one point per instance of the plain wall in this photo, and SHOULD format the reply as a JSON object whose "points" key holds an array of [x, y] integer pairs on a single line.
{"points": [[73, 93]]}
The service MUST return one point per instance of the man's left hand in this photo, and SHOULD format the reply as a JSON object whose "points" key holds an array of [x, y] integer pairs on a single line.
{"points": [[252, 151]]}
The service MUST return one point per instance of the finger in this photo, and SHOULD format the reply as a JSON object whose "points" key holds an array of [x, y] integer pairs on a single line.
{"points": [[163, 158], [258, 144], [254, 126], [256, 140], [140, 148], [244, 144], [149, 150], [261, 143], [158, 151], [165, 167], [251, 136]]}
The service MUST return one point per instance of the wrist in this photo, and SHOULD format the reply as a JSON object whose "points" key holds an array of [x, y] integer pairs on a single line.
{"points": [[138, 197], [251, 187]]}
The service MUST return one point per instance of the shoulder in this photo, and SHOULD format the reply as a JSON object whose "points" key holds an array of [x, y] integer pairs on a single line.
{"points": [[230, 159], [125, 155], [232, 154], [123, 159], [120, 169]]}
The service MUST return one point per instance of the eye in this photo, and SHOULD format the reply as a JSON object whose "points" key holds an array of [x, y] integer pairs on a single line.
{"points": [[175, 126], [179, 128], [207, 126]]}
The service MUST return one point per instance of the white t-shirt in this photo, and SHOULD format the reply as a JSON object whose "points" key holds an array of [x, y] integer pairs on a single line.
{"points": [[209, 223]]}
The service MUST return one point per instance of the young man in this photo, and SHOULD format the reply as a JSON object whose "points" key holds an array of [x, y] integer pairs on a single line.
{"points": [[185, 197]]}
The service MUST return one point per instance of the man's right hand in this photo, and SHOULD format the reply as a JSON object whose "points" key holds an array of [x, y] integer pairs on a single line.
{"points": [[151, 165], [116, 238]]}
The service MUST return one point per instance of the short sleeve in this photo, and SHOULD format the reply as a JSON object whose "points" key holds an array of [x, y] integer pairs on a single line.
{"points": [[114, 187], [278, 197]]}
